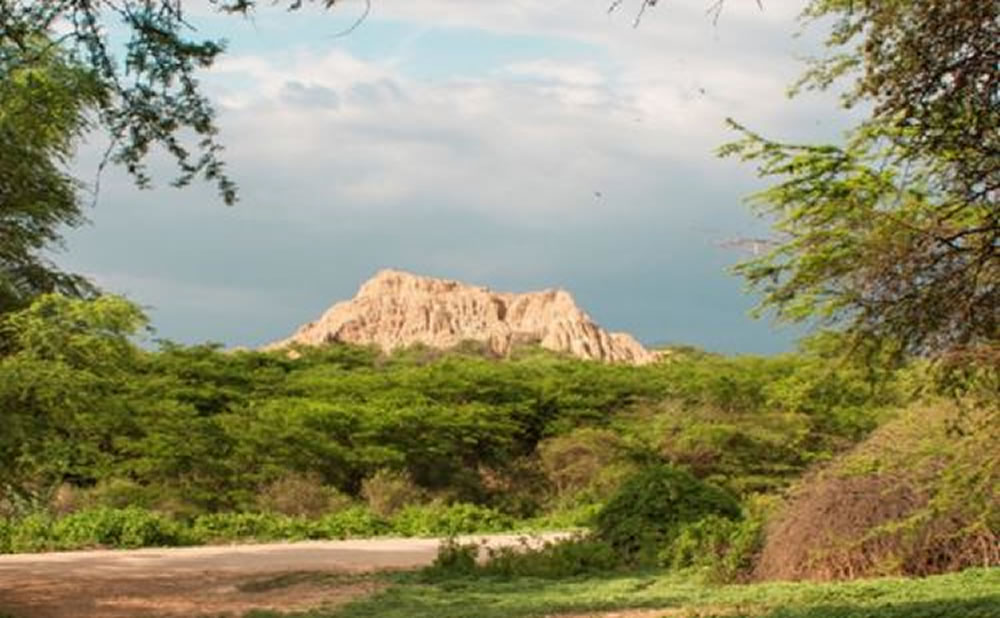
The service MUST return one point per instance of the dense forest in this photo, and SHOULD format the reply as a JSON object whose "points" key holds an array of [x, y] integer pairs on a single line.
{"points": [[109, 443]]}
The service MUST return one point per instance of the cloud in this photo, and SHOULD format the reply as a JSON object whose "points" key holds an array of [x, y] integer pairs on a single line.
{"points": [[591, 168]]}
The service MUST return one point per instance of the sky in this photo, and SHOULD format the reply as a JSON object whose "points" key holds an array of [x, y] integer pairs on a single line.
{"points": [[520, 145]]}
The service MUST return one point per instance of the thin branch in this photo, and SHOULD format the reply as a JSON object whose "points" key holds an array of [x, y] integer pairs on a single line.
{"points": [[360, 20]]}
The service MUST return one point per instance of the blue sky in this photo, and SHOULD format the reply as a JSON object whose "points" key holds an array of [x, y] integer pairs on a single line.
{"points": [[519, 145]]}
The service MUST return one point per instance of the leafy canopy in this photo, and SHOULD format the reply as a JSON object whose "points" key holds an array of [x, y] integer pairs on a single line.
{"points": [[43, 105], [894, 236]]}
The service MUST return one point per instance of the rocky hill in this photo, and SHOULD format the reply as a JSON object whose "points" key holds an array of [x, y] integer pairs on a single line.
{"points": [[396, 309]]}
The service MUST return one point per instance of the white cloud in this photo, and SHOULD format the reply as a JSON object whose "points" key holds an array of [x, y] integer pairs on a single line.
{"points": [[594, 164]]}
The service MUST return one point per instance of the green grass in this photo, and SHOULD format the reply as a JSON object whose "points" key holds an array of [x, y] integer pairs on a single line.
{"points": [[268, 583], [974, 593]]}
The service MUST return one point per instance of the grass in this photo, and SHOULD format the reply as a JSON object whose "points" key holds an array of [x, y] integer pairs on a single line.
{"points": [[974, 593], [287, 580]]}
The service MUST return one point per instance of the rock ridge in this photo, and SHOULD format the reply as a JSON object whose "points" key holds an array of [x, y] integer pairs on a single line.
{"points": [[396, 309]]}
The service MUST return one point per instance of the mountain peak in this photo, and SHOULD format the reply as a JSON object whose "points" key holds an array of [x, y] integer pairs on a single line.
{"points": [[396, 309]]}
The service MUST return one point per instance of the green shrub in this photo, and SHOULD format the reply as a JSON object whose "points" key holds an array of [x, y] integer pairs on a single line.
{"points": [[453, 559], [116, 494], [31, 533], [578, 516], [356, 521], [119, 528], [448, 520], [6, 531], [728, 549], [586, 460], [250, 526], [579, 555], [650, 508]]}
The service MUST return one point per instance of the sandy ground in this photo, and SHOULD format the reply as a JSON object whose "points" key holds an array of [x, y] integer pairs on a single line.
{"points": [[205, 581]]}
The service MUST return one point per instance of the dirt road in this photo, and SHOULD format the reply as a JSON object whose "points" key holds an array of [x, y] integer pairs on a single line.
{"points": [[205, 581]]}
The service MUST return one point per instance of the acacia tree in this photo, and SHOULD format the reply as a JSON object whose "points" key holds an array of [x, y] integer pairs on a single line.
{"points": [[150, 97], [894, 236], [42, 112]]}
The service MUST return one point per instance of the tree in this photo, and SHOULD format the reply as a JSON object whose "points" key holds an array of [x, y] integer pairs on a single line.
{"points": [[153, 98], [896, 235], [150, 99], [43, 108], [62, 389]]}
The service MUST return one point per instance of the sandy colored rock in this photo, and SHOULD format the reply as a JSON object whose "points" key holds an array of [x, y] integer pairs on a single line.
{"points": [[396, 309]]}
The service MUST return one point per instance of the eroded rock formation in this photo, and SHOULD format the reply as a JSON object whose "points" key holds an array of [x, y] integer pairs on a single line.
{"points": [[396, 309]]}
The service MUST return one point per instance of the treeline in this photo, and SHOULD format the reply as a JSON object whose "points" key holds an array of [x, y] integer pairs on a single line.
{"points": [[193, 430], [800, 465]]}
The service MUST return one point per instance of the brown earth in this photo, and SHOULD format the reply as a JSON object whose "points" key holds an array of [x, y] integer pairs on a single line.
{"points": [[205, 581], [196, 594]]}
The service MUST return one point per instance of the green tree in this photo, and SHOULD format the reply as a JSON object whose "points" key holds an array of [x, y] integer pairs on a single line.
{"points": [[153, 98], [62, 404], [894, 236], [43, 105]]}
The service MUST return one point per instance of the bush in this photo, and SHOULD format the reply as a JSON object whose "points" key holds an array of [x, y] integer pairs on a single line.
{"points": [[250, 526], [6, 532], [117, 528], [920, 496], [356, 521], [448, 520], [583, 461], [579, 555], [300, 495], [650, 508], [65, 499], [387, 491], [572, 557], [727, 549], [579, 516], [453, 559], [115, 494], [31, 533]]}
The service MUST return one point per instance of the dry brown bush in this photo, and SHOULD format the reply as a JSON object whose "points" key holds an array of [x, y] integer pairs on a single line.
{"points": [[387, 491], [66, 499], [300, 494], [920, 496]]}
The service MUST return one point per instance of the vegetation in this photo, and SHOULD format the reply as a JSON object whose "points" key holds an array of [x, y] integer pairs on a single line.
{"points": [[972, 593], [93, 421], [894, 236], [678, 464], [651, 508], [920, 496], [42, 115], [850, 458]]}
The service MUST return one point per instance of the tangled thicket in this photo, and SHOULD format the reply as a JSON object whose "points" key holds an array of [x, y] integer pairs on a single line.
{"points": [[920, 496]]}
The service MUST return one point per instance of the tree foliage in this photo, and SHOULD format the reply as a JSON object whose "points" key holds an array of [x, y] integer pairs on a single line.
{"points": [[149, 91], [930, 69], [895, 235], [43, 107], [150, 97], [195, 429]]}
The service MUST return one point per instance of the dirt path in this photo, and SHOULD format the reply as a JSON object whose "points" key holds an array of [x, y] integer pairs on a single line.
{"points": [[205, 581]]}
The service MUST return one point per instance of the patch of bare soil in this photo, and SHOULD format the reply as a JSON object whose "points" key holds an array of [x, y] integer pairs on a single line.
{"points": [[210, 593], [657, 613]]}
